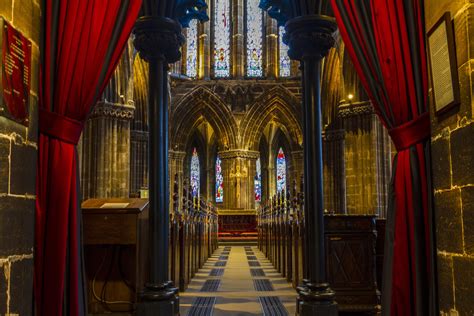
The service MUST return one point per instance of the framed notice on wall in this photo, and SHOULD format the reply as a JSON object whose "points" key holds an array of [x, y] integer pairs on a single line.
{"points": [[444, 71], [15, 67]]}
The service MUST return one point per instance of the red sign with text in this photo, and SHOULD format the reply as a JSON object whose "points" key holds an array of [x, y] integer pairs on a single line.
{"points": [[16, 74]]}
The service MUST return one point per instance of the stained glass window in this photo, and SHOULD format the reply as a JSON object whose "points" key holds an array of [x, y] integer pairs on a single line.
{"points": [[219, 181], [281, 170], [195, 173], [258, 182], [285, 62], [192, 49], [222, 38], [254, 39]]}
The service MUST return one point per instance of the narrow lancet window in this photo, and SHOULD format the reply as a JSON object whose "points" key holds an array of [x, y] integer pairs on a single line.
{"points": [[222, 38]]}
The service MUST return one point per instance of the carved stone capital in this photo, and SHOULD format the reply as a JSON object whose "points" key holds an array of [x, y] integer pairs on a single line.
{"points": [[176, 155], [158, 37], [333, 135], [310, 36], [113, 110], [355, 109], [230, 154]]}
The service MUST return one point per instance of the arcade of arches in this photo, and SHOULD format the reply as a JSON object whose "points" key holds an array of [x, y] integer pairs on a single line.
{"points": [[237, 234]]}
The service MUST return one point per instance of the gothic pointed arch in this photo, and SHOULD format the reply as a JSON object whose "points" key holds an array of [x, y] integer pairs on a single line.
{"points": [[277, 105], [202, 104]]}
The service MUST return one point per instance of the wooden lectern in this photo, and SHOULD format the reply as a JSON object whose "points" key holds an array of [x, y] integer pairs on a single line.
{"points": [[115, 244]]}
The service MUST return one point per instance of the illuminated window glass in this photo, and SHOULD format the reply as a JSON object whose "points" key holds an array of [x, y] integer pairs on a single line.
{"points": [[222, 38], [258, 182], [285, 62], [281, 170], [192, 49], [254, 39], [219, 181], [195, 173]]}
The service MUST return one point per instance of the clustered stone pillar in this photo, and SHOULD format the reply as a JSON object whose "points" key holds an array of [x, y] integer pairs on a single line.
{"points": [[158, 39], [107, 138], [271, 47], [334, 172], [297, 166], [238, 39], [204, 45], [176, 163], [367, 154], [310, 38]]}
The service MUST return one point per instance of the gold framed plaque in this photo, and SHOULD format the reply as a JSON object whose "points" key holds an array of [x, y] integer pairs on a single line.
{"points": [[444, 70]]}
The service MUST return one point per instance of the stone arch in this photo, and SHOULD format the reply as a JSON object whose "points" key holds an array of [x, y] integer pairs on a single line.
{"points": [[279, 106], [198, 105]]}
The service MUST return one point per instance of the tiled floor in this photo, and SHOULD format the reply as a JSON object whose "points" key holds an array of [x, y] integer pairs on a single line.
{"points": [[235, 291]]}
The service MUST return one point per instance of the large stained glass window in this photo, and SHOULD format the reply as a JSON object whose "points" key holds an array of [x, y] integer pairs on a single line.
{"points": [[281, 170], [192, 49], [285, 62], [219, 181], [195, 173], [222, 38], [258, 182], [254, 39]]}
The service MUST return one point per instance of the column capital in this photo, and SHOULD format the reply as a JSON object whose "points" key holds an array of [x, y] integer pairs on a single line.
{"points": [[310, 36], [158, 37], [239, 153], [349, 109], [334, 135], [177, 155], [113, 110]]}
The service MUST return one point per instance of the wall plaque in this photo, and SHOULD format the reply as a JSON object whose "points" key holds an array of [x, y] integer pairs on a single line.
{"points": [[15, 51], [444, 71]]}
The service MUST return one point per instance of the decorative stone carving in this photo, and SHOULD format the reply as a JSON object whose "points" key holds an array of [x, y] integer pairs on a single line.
{"points": [[355, 109], [230, 154], [310, 36], [333, 135], [113, 110], [158, 37]]}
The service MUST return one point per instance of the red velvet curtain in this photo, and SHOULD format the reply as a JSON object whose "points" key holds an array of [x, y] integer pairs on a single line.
{"points": [[386, 42], [82, 43]]}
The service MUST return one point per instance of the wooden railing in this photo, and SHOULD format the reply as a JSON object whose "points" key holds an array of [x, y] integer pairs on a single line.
{"points": [[351, 247], [280, 226], [193, 234]]}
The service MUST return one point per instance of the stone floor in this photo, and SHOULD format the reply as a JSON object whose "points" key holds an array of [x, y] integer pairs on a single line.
{"points": [[227, 286]]}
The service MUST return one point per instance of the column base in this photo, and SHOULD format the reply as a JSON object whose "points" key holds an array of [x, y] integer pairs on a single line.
{"points": [[158, 300], [316, 299]]}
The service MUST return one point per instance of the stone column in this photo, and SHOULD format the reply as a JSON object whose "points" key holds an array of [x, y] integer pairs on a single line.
{"points": [[367, 157], [205, 50], [138, 162], [238, 39], [105, 171], [297, 166], [310, 38], [271, 47], [176, 164], [334, 172], [158, 39]]}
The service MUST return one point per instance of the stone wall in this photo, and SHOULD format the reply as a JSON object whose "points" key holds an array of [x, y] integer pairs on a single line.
{"points": [[453, 169], [18, 146]]}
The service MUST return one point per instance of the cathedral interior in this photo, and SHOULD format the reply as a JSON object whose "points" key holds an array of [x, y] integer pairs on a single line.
{"points": [[236, 157]]}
